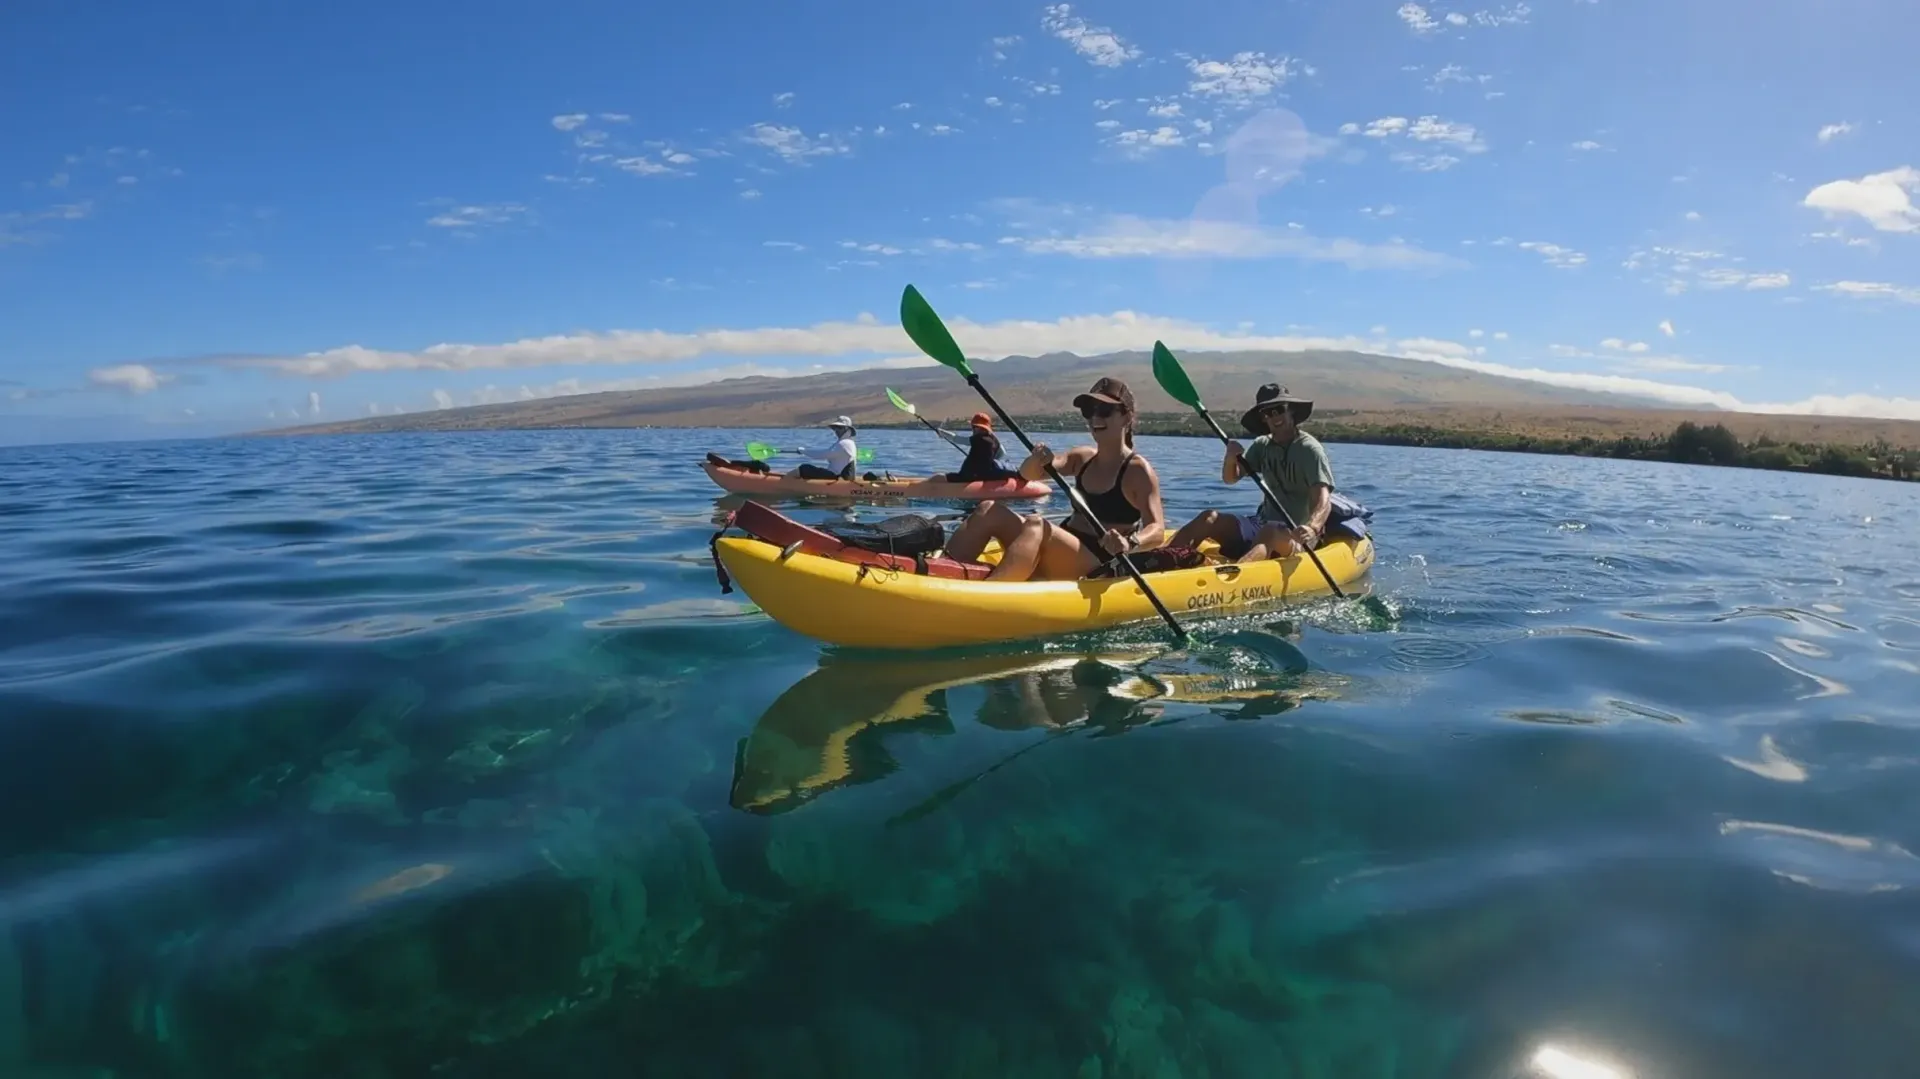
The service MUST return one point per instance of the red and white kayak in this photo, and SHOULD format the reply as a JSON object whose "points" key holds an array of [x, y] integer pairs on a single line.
{"points": [[742, 482]]}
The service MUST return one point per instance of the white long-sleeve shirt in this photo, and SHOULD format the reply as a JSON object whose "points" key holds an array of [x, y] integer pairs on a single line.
{"points": [[838, 456]]}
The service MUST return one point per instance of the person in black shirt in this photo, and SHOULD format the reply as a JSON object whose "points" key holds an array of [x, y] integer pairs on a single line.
{"points": [[1117, 483], [983, 455]]}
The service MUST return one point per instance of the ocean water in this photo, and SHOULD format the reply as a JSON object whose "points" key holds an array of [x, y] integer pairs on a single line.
{"points": [[412, 756]]}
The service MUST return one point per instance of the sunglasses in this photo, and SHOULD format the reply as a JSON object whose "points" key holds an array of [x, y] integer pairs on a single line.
{"points": [[1098, 410]]}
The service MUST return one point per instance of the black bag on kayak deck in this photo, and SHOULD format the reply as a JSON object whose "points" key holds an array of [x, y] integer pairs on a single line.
{"points": [[908, 534]]}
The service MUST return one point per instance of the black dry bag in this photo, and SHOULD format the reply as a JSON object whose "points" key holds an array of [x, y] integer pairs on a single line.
{"points": [[909, 534]]}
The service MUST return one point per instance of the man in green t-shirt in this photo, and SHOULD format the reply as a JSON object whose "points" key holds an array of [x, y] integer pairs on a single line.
{"points": [[1293, 463]]}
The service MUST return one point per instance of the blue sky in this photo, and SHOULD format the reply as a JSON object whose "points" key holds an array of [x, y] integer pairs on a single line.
{"points": [[219, 217]]}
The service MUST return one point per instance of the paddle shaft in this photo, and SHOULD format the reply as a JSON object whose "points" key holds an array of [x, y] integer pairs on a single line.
{"points": [[935, 428], [1261, 482], [1079, 503]]}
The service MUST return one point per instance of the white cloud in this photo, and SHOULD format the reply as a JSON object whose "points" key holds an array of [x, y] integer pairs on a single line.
{"points": [[1105, 103], [1834, 131], [569, 121], [1499, 335], [1586, 145], [939, 244], [1417, 19], [1101, 46], [1617, 345], [792, 145], [12, 220], [783, 99], [1434, 129], [1165, 111], [1128, 236], [1140, 142], [1840, 237], [1512, 16], [1692, 215], [941, 129], [1242, 80], [750, 193], [313, 402], [871, 248], [644, 166], [1388, 210], [1431, 130], [478, 216], [1725, 277], [133, 378], [1882, 198], [1052, 89], [1666, 326], [786, 244], [1421, 21], [1476, 334], [1675, 363], [1108, 125], [615, 117], [1872, 290], [993, 102], [442, 399], [1564, 258], [1455, 73], [1002, 44], [1678, 269]]}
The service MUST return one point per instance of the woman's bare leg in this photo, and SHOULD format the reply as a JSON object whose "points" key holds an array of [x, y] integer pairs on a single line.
{"points": [[1020, 555], [990, 521], [1221, 528]]}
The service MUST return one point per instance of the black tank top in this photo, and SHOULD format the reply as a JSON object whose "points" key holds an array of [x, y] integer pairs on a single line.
{"points": [[1110, 506]]}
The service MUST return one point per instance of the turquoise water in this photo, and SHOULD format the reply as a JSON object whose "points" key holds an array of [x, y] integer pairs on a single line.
{"points": [[406, 756]]}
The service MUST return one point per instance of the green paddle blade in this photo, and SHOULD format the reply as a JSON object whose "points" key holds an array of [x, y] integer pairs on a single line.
{"points": [[929, 333], [899, 404], [1173, 378], [760, 451]]}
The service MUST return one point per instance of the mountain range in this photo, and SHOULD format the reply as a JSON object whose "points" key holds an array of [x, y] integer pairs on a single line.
{"points": [[1024, 385]]}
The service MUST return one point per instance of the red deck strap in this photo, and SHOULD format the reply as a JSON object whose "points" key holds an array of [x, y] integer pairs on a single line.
{"points": [[772, 526]]}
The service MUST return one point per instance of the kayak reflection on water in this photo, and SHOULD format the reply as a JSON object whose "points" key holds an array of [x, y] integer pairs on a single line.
{"points": [[826, 731]]}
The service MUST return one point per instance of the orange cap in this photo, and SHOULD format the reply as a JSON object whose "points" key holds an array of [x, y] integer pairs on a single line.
{"points": [[981, 419]]}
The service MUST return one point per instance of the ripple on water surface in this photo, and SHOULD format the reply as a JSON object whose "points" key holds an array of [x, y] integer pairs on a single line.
{"points": [[406, 755]]}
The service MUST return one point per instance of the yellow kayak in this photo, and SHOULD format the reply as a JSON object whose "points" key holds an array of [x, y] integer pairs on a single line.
{"points": [[877, 607]]}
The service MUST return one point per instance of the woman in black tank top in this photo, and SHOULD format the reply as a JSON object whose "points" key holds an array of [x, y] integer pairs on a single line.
{"points": [[1119, 486]]}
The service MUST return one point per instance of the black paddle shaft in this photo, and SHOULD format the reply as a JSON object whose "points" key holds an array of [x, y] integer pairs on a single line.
{"points": [[1079, 504], [935, 428], [1260, 481]]}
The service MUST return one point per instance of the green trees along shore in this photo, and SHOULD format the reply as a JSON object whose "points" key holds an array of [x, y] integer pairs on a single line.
{"points": [[1689, 443]]}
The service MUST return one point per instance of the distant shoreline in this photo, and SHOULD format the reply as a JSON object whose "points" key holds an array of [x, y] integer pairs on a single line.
{"points": [[1689, 443]]}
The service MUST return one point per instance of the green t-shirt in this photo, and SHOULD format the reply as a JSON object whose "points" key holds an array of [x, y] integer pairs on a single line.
{"points": [[1291, 471]]}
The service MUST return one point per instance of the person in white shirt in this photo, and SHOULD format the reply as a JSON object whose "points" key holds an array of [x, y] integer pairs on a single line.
{"points": [[839, 456]]}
